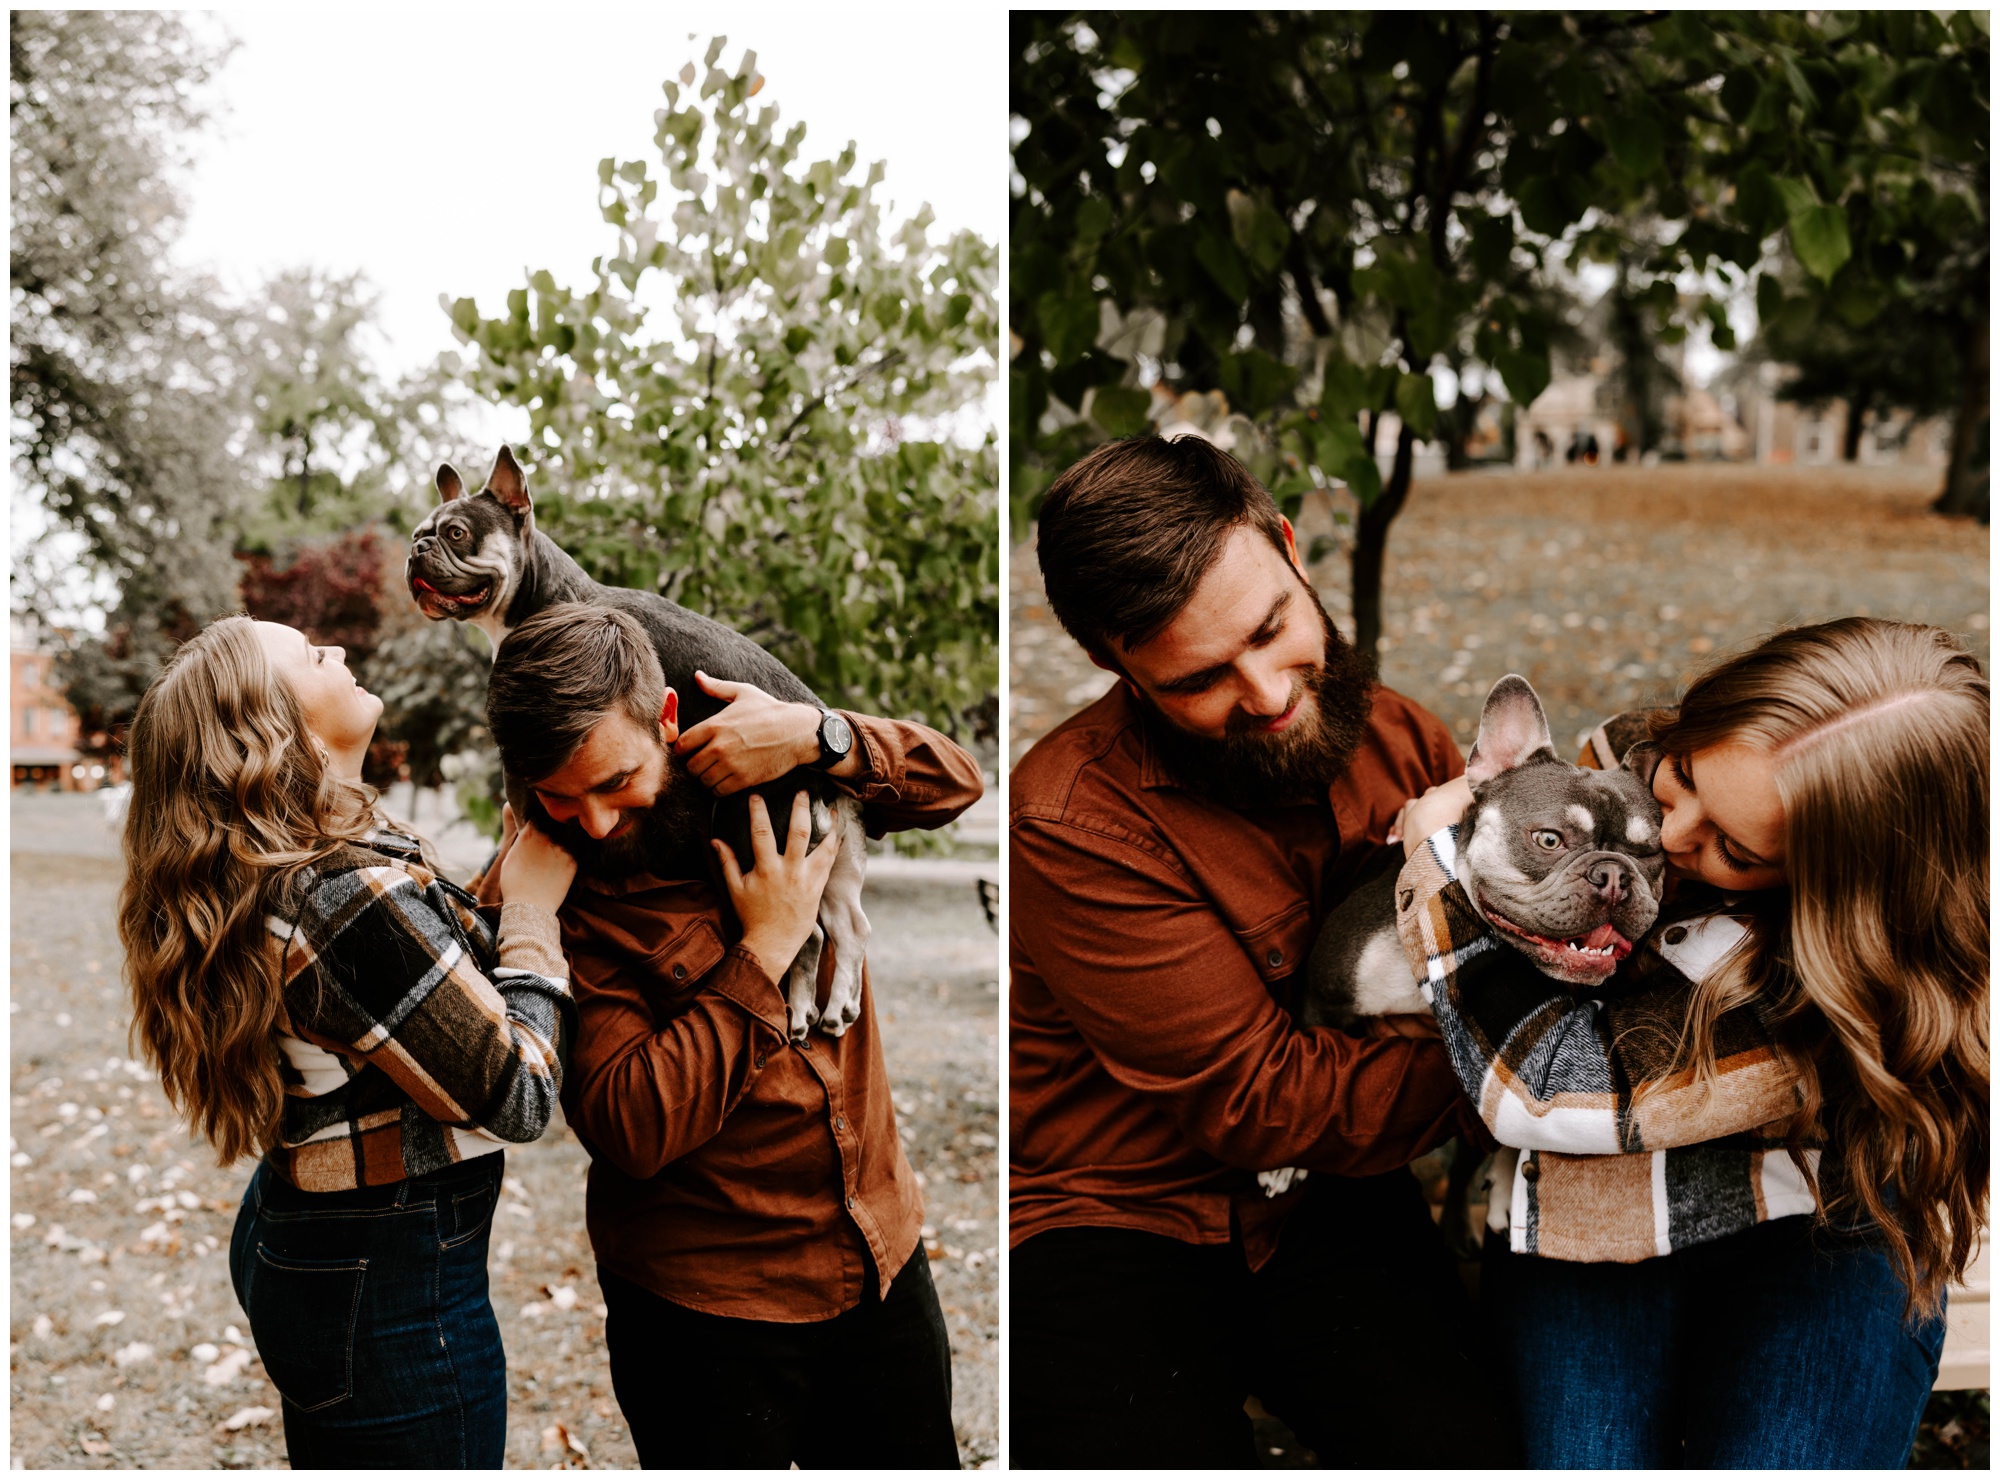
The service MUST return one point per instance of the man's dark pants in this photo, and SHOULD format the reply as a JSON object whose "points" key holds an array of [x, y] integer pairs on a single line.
{"points": [[869, 1388], [1135, 1350]]}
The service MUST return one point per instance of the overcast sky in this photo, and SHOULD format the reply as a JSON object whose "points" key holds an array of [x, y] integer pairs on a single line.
{"points": [[445, 150]]}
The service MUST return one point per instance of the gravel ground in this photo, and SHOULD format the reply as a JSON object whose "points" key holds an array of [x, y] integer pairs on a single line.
{"points": [[128, 1347], [1606, 588]]}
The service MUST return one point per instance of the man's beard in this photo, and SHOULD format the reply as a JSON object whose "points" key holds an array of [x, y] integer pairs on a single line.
{"points": [[669, 838], [1249, 767]]}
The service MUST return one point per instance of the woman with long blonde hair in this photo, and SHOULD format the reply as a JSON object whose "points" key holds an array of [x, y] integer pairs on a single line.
{"points": [[313, 993], [1741, 1178]]}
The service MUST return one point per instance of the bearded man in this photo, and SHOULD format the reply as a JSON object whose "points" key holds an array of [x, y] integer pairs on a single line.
{"points": [[755, 1221], [1173, 850]]}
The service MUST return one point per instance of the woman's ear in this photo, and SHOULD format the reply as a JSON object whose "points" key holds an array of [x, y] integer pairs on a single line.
{"points": [[670, 716]]}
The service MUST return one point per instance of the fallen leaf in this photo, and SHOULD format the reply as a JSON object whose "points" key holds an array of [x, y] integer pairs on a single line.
{"points": [[96, 1446], [137, 1351], [106, 1403], [228, 1369], [109, 1318], [244, 1418], [207, 1351]]}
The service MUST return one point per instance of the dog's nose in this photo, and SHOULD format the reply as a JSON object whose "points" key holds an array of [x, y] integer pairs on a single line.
{"points": [[1611, 879]]}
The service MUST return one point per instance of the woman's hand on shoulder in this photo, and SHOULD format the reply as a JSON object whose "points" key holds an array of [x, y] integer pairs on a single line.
{"points": [[1439, 807], [536, 870]]}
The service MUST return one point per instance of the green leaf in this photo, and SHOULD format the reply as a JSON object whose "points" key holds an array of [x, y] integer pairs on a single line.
{"points": [[1120, 409], [1493, 244], [1069, 324], [1635, 139], [1416, 403], [1819, 240], [1260, 232], [1219, 258], [1526, 374], [1362, 478], [1254, 382]]}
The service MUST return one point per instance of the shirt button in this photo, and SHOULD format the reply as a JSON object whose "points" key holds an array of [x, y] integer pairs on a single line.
{"points": [[1676, 935], [850, 1199], [760, 1061], [1276, 957], [840, 1122], [1530, 1170], [680, 972]]}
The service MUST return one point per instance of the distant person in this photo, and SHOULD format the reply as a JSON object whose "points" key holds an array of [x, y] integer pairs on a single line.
{"points": [[1574, 451], [1545, 449], [755, 1221], [313, 992], [1758, 1281], [1590, 449]]}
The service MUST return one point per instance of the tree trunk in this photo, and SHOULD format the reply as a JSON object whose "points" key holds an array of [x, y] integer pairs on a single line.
{"points": [[1857, 418], [1968, 479], [1371, 543]]}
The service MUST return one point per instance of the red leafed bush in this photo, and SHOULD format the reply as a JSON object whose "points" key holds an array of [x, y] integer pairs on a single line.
{"points": [[330, 591]]}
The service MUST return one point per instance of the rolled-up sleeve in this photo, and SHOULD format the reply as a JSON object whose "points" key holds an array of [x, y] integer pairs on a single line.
{"points": [[911, 776], [1164, 995]]}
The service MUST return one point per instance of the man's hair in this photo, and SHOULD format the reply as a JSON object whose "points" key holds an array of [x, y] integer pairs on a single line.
{"points": [[1126, 534], [558, 674]]}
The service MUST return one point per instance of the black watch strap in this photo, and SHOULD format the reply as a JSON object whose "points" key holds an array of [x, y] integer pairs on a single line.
{"points": [[836, 739]]}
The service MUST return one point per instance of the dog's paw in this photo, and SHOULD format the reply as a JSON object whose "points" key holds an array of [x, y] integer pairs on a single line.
{"points": [[801, 1019], [1277, 1183]]}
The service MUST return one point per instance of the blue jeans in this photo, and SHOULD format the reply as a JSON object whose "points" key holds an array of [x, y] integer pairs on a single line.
{"points": [[1780, 1347], [369, 1310]]}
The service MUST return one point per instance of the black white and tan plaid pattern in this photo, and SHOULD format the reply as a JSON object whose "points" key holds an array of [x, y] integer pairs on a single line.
{"points": [[1619, 1159], [414, 1040]]}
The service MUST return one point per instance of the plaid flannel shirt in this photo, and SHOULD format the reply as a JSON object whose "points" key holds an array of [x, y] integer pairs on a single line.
{"points": [[1592, 1169], [413, 1041]]}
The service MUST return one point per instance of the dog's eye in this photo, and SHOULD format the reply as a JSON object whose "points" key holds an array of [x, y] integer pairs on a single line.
{"points": [[1547, 837], [456, 532]]}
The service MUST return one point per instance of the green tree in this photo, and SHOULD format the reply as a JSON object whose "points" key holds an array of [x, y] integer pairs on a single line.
{"points": [[756, 407], [125, 383], [1309, 210]]}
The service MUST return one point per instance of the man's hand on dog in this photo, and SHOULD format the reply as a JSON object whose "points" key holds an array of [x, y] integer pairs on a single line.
{"points": [[778, 900], [757, 738]]}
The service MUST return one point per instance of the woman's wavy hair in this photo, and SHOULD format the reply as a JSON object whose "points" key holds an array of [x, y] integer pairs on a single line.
{"points": [[231, 798], [1872, 963]]}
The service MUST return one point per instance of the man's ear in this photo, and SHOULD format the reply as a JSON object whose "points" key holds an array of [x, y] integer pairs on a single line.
{"points": [[508, 483], [450, 485], [670, 716], [1292, 545]]}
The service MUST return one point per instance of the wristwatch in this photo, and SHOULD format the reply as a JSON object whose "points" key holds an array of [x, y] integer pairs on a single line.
{"points": [[836, 739]]}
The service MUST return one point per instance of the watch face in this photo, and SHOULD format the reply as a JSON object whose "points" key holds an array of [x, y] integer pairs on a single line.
{"points": [[836, 735]]}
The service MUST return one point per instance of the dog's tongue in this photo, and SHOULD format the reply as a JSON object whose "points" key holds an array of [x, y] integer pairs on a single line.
{"points": [[420, 581], [1602, 936]]}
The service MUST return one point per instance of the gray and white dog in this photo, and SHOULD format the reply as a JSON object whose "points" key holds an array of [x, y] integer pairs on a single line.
{"points": [[1563, 862], [481, 560]]}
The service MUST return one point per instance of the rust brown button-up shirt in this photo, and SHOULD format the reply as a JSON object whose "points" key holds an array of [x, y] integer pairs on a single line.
{"points": [[732, 1172], [1153, 936]]}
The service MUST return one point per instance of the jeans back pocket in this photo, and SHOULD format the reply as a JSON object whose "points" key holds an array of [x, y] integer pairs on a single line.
{"points": [[303, 1312]]}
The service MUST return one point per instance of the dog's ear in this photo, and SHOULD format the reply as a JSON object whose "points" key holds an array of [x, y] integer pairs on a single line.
{"points": [[508, 483], [1642, 760], [1512, 728], [450, 485]]}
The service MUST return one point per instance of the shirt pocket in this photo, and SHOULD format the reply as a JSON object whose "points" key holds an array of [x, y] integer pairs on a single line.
{"points": [[671, 975], [1277, 947]]}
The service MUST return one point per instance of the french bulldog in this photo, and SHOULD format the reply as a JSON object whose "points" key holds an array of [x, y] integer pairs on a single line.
{"points": [[480, 559], [1563, 862]]}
